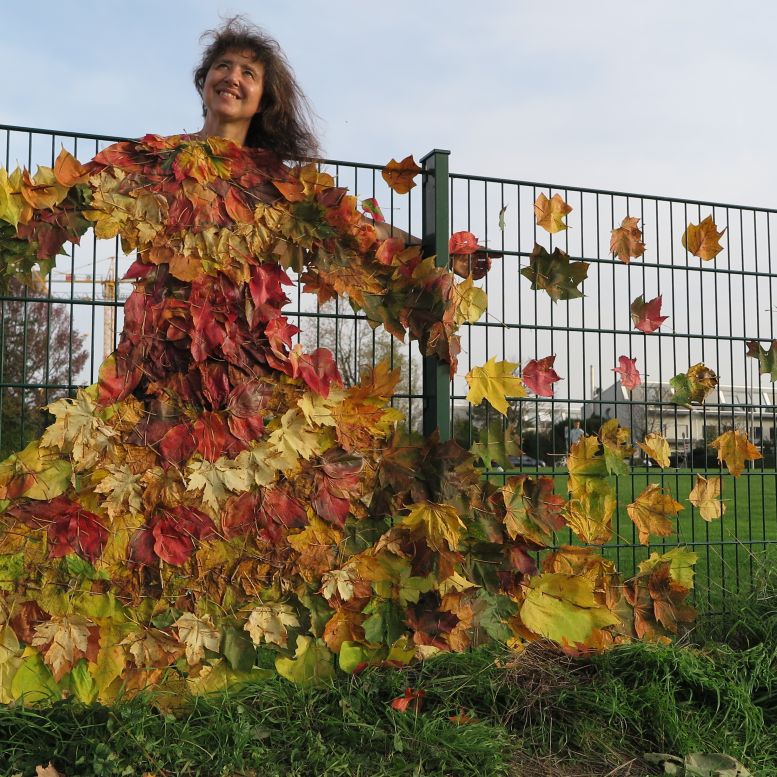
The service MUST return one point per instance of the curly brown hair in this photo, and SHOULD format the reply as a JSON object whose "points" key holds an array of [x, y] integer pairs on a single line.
{"points": [[283, 123]]}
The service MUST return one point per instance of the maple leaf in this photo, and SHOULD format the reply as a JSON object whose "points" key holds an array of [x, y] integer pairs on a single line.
{"points": [[539, 375], [590, 510], [630, 377], [470, 302], [152, 648], [694, 385], [65, 638], [340, 582], [294, 438], [646, 316], [533, 510], [495, 445], [370, 205], [550, 213], [706, 496], [78, 430], [494, 381], [734, 449], [198, 635], [439, 524], [412, 701], [555, 273], [767, 360], [123, 490], [464, 243], [649, 512], [563, 608], [68, 170], [656, 446], [626, 240], [47, 771], [270, 622], [399, 175], [681, 564], [616, 448], [217, 478], [702, 239]]}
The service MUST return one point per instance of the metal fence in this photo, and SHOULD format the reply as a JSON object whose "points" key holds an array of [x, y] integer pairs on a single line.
{"points": [[53, 339]]}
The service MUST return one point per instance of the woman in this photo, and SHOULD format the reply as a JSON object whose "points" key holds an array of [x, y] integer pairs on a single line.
{"points": [[218, 499]]}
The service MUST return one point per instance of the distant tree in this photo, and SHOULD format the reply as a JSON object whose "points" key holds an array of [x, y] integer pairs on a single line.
{"points": [[38, 347]]}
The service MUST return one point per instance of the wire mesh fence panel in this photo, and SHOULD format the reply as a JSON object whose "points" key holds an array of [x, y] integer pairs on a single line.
{"points": [[713, 308]]}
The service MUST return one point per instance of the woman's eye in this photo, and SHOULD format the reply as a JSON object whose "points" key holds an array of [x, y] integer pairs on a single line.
{"points": [[248, 73]]}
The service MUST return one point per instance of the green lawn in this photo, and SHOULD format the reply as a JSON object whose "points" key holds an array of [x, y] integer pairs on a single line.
{"points": [[728, 549]]}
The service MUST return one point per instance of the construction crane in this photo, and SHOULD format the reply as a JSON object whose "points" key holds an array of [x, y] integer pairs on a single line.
{"points": [[108, 284]]}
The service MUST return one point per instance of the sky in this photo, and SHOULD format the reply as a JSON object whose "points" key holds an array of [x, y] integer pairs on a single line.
{"points": [[665, 97]]}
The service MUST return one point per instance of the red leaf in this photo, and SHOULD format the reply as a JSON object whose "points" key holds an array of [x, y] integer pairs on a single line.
{"points": [[463, 243], [279, 333], [211, 435], [539, 376], [174, 532], [266, 287], [630, 377], [178, 444], [388, 249], [412, 700], [370, 205], [317, 369], [647, 315]]}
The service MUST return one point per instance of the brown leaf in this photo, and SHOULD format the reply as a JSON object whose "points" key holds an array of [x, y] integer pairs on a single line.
{"points": [[550, 213], [649, 512], [702, 239], [626, 241], [399, 175], [734, 449]]}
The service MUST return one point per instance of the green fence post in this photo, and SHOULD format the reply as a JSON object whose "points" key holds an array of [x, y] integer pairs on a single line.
{"points": [[435, 231]]}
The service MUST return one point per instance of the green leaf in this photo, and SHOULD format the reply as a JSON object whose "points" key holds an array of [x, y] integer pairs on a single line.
{"points": [[312, 663], [238, 649], [385, 624], [767, 360], [82, 683], [11, 568], [555, 273], [33, 682], [495, 446], [496, 609]]}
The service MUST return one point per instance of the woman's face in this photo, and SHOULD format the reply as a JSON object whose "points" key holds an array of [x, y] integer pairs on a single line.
{"points": [[233, 87]]}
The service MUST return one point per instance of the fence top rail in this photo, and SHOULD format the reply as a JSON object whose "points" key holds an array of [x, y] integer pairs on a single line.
{"points": [[457, 176]]}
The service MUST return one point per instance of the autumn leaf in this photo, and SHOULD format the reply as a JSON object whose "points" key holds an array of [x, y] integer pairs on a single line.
{"points": [[550, 213], [702, 239], [734, 450], [646, 316], [533, 511], [564, 609], [370, 205], [626, 240], [411, 701], [198, 635], [462, 243], [555, 273], [439, 524], [399, 175], [269, 623], [470, 302], [294, 438], [494, 381], [539, 376], [630, 377], [694, 385], [649, 512], [68, 170], [767, 360], [681, 564], [502, 212], [656, 446], [10, 661], [311, 665], [64, 639], [495, 445], [615, 443], [706, 496], [217, 478]]}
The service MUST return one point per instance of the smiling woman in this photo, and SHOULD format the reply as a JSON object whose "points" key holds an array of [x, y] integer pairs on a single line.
{"points": [[249, 93]]}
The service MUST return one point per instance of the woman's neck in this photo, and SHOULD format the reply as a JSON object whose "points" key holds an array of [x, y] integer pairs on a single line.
{"points": [[235, 131]]}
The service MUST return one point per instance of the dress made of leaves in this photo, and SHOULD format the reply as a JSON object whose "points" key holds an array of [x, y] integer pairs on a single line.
{"points": [[218, 504]]}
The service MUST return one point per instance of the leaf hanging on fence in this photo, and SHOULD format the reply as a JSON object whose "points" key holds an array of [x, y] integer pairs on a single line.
{"points": [[630, 377], [693, 386], [702, 239], [626, 240], [649, 512], [462, 243], [539, 375], [550, 213], [495, 445], [494, 381], [706, 496], [555, 273], [399, 175], [734, 450], [647, 315], [502, 211], [656, 446], [767, 360]]}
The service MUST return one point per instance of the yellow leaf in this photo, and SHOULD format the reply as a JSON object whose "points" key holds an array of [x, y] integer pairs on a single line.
{"points": [[649, 512], [681, 561], [584, 459], [122, 489], [494, 381], [734, 449], [217, 478], [10, 661], [198, 635], [706, 496], [66, 639], [550, 213], [339, 581], [590, 510], [470, 302], [312, 663], [317, 409], [294, 438], [656, 446], [563, 608], [437, 523], [270, 623], [702, 239]]}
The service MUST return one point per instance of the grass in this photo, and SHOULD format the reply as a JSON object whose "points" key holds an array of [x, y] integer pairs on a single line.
{"points": [[729, 550], [534, 714]]}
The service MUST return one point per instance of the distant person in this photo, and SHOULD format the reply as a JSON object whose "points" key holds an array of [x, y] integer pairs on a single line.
{"points": [[574, 434]]}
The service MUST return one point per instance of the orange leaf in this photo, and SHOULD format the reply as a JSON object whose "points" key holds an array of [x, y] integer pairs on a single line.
{"points": [[626, 241], [649, 512], [734, 449], [399, 175], [68, 170], [412, 700], [550, 213], [702, 239]]}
